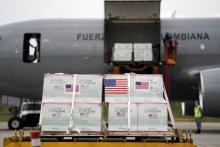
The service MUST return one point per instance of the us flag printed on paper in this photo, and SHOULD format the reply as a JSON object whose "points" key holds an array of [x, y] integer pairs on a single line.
{"points": [[116, 86], [142, 85], [69, 88], [152, 116]]}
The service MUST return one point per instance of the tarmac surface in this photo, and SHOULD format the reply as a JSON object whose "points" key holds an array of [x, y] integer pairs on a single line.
{"points": [[209, 137]]}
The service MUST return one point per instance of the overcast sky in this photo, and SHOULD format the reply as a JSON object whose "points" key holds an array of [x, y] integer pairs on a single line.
{"points": [[190, 8], [20, 10]]}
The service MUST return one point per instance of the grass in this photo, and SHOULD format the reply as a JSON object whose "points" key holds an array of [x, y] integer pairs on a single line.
{"points": [[4, 114], [4, 117], [176, 108]]}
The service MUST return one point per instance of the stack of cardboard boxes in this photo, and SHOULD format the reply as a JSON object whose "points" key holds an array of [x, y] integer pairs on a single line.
{"points": [[122, 52], [144, 108], [71, 102], [143, 52], [74, 103]]}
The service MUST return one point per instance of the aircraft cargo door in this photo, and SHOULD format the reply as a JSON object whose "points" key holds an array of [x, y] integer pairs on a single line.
{"points": [[133, 22]]}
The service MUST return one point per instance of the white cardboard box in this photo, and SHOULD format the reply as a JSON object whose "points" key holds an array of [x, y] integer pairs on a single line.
{"points": [[143, 117], [123, 46], [143, 55], [146, 88], [143, 88], [60, 88], [55, 116], [152, 117], [122, 56], [57, 88], [89, 88], [87, 117], [118, 117], [143, 52], [142, 46], [122, 52]]}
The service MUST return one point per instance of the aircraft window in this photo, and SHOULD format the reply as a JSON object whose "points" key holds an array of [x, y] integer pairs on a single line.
{"points": [[31, 48]]}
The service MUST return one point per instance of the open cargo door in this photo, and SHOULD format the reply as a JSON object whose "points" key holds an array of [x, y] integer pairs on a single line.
{"points": [[132, 22]]}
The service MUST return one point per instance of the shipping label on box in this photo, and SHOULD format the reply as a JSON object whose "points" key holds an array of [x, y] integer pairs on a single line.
{"points": [[152, 117], [146, 88], [55, 116], [118, 117], [116, 88], [87, 117], [58, 88], [90, 88]]}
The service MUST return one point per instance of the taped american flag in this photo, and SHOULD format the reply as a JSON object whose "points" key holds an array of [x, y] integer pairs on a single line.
{"points": [[116, 86]]}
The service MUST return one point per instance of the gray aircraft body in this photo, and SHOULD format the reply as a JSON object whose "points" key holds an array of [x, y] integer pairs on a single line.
{"points": [[29, 49], [67, 46]]}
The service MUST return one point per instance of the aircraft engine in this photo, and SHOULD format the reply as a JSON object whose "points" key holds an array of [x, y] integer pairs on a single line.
{"points": [[209, 92]]}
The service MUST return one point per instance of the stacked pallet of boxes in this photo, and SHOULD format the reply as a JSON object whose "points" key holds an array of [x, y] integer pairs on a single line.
{"points": [[122, 52], [71, 103], [135, 103], [116, 95], [143, 52]]}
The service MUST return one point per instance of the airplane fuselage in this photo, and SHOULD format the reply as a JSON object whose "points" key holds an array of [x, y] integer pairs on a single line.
{"points": [[67, 46], [77, 46]]}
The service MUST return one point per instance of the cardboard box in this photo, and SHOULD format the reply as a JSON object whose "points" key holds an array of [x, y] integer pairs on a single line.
{"points": [[118, 117], [143, 55], [143, 117], [122, 52], [122, 56], [89, 88], [57, 88], [143, 88], [87, 117], [146, 88], [152, 117], [143, 52], [55, 116], [142, 46], [60, 88], [123, 47]]}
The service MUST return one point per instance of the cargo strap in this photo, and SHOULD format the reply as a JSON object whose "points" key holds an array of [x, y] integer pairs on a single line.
{"points": [[129, 103], [71, 125], [168, 107]]}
